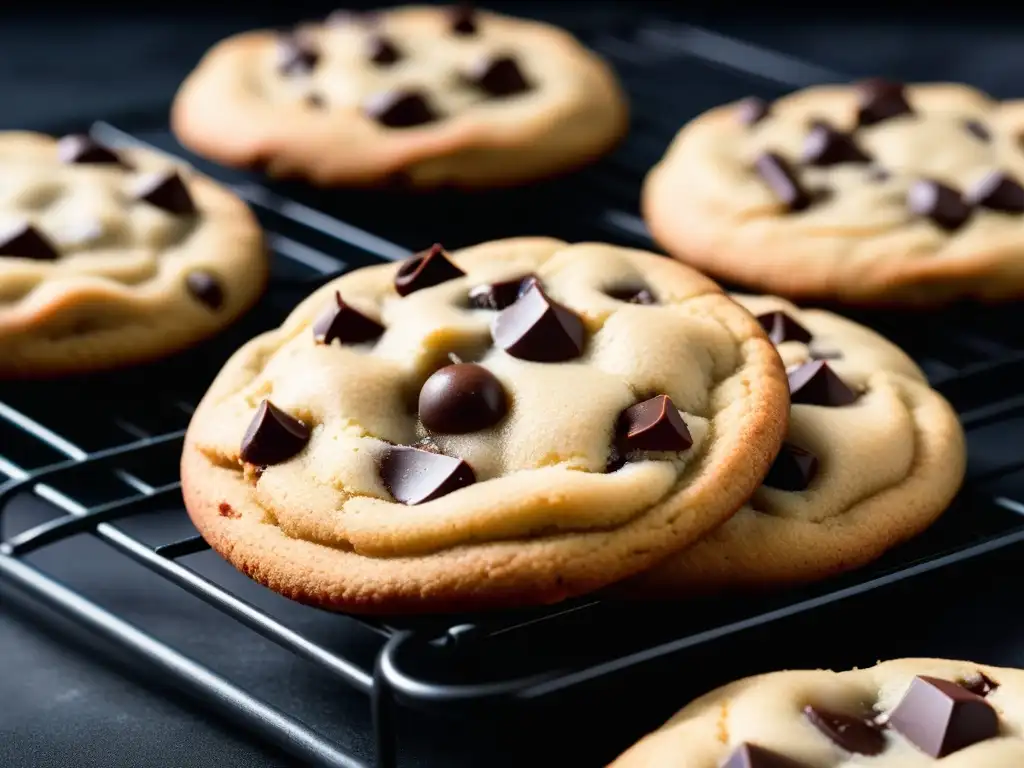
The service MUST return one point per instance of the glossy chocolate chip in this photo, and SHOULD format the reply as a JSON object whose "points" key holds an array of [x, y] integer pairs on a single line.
{"points": [[854, 734], [978, 129], [497, 76], [943, 205], [753, 756], [752, 110], [539, 329], [997, 191], [825, 146], [415, 476], [381, 50], [24, 241], [462, 19], [940, 717], [879, 99], [653, 425], [500, 294], [273, 436], [632, 294], [462, 398], [815, 383], [793, 469], [205, 287], [79, 148], [776, 173], [425, 270], [781, 327], [167, 191], [343, 322], [400, 109], [979, 684], [296, 55]]}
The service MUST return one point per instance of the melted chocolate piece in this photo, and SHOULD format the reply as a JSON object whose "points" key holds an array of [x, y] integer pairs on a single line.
{"points": [[26, 242], [940, 717], [461, 398], [997, 191], [400, 109], [793, 469], [537, 328], [943, 205], [346, 324], [752, 110], [206, 288], [781, 327], [79, 148], [879, 100], [414, 476], [854, 734], [653, 425], [753, 756], [273, 437], [166, 190], [425, 270], [776, 173], [497, 76], [500, 294], [826, 146], [816, 383]]}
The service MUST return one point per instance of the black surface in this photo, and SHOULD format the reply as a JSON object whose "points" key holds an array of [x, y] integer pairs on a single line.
{"points": [[66, 701]]}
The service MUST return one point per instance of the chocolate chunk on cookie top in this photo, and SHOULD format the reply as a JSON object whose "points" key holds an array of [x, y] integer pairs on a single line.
{"points": [[867, 193], [941, 717], [485, 427]]}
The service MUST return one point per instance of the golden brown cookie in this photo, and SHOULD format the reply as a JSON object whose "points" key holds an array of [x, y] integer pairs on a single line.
{"points": [[114, 257], [606, 407], [906, 713], [870, 193], [872, 458], [433, 95]]}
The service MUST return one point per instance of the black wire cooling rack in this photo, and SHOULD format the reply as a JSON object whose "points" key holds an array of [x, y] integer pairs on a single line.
{"points": [[102, 453]]}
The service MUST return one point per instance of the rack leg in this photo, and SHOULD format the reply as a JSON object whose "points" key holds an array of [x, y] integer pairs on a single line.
{"points": [[382, 710]]}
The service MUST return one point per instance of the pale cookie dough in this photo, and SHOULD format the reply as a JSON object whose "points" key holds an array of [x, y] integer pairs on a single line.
{"points": [[433, 96], [576, 484], [852, 213], [907, 713], [114, 257], [880, 469]]}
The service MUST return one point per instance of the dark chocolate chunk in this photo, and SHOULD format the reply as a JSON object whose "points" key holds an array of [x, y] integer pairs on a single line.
{"points": [[752, 110], [537, 328], [793, 469], [854, 734], [461, 398], [206, 288], [400, 109], [24, 241], [345, 323], [500, 294], [381, 50], [415, 476], [781, 327], [653, 425], [979, 684], [273, 436], [497, 76], [79, 148], [462, 19], [753, 756], [940, 717], [943, 205], [776, 173], [296, 55], [825, 146], [425, 269], [978, 129], [166, 190], [997, 191], [633, 295], [816, 383], [880, 99]]}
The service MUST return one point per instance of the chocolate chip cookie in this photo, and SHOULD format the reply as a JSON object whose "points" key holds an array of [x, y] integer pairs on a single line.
{"points": [[509, 424], [906, 712], [872, 458], [429, 95], [110, 257], [870, 193]]}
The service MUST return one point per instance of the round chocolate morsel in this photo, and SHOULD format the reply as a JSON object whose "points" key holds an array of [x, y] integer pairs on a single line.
{"points": [[462, 398], [206, 288]]}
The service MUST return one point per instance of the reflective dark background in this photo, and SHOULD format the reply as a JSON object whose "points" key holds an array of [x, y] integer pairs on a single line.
{"points": [[66, 701]]}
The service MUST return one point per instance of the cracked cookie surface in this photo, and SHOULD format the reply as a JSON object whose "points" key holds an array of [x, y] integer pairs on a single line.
{"points": [[605, 407], [905, 713], [869, 193], [111, 257], [428, 95], [872, 458]]}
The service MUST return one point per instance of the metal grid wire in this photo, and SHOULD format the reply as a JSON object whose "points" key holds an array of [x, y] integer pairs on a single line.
{"points": [[119, 461]]}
